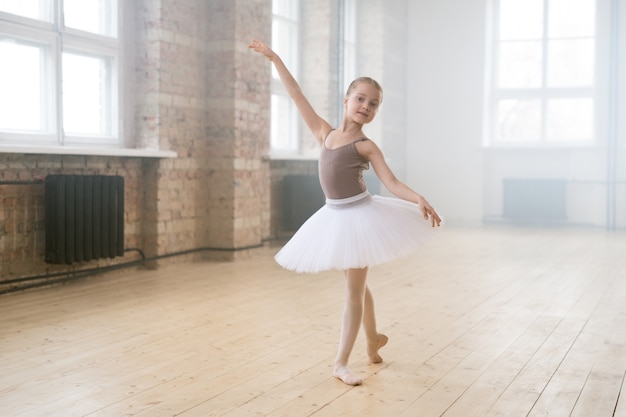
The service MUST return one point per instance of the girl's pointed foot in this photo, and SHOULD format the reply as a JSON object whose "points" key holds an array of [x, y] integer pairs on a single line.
{"points": [[346, 376], [373, 348]]}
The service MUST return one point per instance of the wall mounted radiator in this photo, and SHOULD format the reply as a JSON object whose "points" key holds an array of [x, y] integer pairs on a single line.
{"points": [[301, 197], [84, 218], [534, 200]]}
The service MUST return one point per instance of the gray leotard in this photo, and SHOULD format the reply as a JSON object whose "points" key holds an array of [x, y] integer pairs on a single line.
{"points": [[341, 171]]}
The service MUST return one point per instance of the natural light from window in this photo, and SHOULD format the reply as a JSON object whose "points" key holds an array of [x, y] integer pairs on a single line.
{"points": [[44, 61], [21, 86], [544, 60], [284, 136], [33, 9]]}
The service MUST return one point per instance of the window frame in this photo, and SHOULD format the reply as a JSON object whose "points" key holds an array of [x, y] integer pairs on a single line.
{"points": [[289, 119], [345, 34], [348, 54], [59, 39], [544, 93]]}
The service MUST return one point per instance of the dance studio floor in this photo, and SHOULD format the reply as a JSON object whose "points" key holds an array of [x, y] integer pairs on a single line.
{"points": [[492, 321]]}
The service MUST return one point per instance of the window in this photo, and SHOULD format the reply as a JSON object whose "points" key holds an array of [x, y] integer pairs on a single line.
{"points": [[348, 50], [543, 72], [349, 43], [284, 124], [60, 72]]}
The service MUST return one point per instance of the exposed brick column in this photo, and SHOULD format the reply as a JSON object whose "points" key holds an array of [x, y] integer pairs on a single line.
{"points": [[318, 76], [204, 95], [238, 107]]}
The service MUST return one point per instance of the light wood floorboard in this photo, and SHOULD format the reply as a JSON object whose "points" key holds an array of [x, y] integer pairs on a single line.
{"points": [[483, 322]]}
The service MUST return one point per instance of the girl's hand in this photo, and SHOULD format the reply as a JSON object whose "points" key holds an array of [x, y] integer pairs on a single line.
{"points": [[429, 212], [259, 46]]}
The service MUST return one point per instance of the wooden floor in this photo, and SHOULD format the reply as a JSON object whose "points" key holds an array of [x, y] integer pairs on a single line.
{"points": [[482, 322]]}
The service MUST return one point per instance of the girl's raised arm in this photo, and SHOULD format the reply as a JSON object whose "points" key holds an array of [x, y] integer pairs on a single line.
{"points": [[316, 124]]}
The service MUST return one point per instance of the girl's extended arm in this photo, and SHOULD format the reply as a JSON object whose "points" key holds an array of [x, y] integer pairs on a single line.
{"points": [[316, 124], [372, 153]]}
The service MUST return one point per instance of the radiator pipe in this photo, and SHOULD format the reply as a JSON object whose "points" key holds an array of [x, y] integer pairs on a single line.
{"points": [[33, 182], [143, 256], [74, 275]]}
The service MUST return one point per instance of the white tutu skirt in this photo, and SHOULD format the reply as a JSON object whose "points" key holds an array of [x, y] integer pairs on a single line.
{"points": [[355, 232]]}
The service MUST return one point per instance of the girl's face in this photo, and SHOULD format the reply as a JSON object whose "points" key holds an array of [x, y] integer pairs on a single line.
{"points": [[362, 103]]}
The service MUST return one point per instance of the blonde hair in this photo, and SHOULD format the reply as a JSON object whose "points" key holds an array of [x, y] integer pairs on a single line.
{"points": [[366, 80]]}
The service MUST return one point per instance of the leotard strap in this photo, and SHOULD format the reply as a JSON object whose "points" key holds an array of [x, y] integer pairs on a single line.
{"points": [[326, 137]]}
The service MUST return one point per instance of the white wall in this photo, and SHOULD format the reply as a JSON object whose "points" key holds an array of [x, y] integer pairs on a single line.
{"points": [[445, 94], [444, 105]]}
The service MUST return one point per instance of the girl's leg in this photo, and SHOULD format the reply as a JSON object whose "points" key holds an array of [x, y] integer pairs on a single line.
{"points": [[351, 322], [375, 340]]}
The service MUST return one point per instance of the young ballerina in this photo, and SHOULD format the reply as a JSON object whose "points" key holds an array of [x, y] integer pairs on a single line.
{"points": [[353, 230]]}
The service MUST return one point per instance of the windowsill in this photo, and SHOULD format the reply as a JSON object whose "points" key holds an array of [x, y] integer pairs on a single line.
{"points": [[540, 147], [75, 150]]}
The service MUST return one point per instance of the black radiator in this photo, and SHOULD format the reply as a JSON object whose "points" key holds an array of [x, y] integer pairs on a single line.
{"points": [[301, 197], [84, 218]]}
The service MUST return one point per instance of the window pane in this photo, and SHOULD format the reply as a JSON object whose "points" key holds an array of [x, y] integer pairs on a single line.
{"points": [[569, 119], [34, 9], [544, 71], [519, 120], [349, 66], [86, 95], [284, 135], [349, 44], [23, 97], [520, 65], [570, 63], [521, 19], [280, 34], [350, 21], [571, 18], [95, 16], [284, 39], [285, 8]]}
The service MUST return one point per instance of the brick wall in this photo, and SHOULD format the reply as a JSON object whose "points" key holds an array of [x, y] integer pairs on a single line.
{"points": [[202, 96], [319, 77], [22, 235], [200, 92]]}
